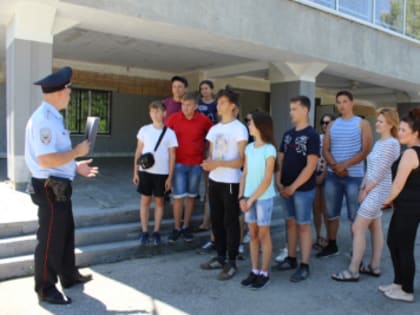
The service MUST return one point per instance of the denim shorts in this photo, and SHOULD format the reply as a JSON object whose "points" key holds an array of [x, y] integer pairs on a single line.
{"points": [[260, 212], [335, 189], [186, 180], [299, 207]]}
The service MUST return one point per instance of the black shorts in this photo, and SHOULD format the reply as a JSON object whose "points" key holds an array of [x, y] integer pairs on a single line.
{"points": [[151, 184]]}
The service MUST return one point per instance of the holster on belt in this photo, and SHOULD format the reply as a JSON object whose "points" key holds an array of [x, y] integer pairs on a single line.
{"points": [[59, 186]]}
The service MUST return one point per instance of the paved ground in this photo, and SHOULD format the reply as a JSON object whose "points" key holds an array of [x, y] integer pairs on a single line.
{"points": [[173, 284]]}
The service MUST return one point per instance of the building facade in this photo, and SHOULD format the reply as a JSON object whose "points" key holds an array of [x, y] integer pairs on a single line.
{"points": [[124, 53]]}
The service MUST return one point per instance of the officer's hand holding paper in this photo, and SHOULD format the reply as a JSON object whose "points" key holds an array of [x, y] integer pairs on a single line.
{"points": [[83, 167]]}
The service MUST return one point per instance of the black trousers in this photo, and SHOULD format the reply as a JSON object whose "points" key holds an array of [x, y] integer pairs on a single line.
{"points": [[224, 215], [54, 253], [401, 240]]}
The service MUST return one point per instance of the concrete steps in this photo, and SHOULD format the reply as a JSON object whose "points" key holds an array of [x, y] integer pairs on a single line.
{"points": [[102, 236]]}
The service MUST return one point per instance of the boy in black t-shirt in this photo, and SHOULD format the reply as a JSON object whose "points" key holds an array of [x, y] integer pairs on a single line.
{"points": [[297, 159]]}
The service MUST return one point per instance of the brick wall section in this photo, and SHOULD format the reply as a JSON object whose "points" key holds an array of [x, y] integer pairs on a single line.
{"points": [[121, 83]]}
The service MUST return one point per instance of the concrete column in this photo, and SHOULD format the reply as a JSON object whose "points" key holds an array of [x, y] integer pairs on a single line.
{"points": [[28, 58], [286, 81]]}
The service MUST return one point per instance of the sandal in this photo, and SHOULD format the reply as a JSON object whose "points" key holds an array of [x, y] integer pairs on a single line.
{"points": [[369, 270], [346, 276]]}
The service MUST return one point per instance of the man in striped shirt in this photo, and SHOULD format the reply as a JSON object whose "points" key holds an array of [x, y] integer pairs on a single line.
{"points": [[347, 142]]}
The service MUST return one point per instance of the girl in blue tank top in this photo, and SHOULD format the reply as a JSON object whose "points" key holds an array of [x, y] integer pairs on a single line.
{"points": [[256, 194]]}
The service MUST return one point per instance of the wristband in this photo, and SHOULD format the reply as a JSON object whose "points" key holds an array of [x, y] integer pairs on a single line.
{"points": [[241, 198]]}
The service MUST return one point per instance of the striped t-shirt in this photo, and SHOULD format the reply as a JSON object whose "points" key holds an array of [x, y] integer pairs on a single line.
{"points": [[346, 142]]}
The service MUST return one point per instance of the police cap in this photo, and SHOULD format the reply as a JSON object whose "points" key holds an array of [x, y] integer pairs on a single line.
{"points": [[55, 81]]}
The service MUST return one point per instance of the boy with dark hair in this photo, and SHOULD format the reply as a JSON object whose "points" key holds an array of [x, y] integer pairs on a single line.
{"points": [[157, 179], [297, 159], [227, 141], [179, 86]]}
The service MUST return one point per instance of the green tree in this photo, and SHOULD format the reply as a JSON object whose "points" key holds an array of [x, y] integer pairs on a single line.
{"points": [[413, 19], [394, 18]]}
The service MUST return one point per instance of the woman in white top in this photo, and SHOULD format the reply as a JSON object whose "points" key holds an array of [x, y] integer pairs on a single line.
{"points": [[375, 188]]}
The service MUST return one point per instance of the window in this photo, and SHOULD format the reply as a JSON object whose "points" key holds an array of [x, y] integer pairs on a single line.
{"points": [[85, 102], [398, 16], [390, 14], [361, 9], [327, 3], [413, 19]]}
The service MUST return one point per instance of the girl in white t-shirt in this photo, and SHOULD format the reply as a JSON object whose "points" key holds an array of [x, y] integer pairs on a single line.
{"points": [[256, 194]]}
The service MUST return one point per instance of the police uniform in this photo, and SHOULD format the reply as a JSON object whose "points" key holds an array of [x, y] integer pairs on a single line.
{"points": [[54, 253]]}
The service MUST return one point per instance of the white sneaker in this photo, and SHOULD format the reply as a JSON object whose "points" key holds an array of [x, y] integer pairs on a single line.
{"points": [[246, 239], [241, 249], [282, 255], [400, 295], [392, 286]]}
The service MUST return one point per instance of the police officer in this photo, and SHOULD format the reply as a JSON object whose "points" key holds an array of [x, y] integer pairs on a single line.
{"points": [[51, 161]]}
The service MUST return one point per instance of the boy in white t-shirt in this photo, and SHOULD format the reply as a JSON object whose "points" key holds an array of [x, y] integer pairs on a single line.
{"points": [[156, 180], [227, 141]]}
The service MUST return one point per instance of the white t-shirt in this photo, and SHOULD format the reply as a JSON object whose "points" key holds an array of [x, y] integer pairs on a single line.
{"points": [[225, 138], [149, 135]]}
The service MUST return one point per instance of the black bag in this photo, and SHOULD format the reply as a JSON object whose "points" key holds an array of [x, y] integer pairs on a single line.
{"points": [[147, 160]]}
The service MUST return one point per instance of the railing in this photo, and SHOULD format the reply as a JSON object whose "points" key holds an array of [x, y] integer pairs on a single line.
{"points": [[401, 17]]}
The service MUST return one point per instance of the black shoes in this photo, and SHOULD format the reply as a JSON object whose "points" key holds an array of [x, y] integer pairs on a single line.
{"points": [[252, 277], [174, 236], [78, 279], [260, 282], [53, 296], [302, 273], [187, 234], [328, 251], [287, 264], [255, 282]]}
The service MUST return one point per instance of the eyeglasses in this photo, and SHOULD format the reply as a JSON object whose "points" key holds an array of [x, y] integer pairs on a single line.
{"points": [[68, 85], [325, 122]]}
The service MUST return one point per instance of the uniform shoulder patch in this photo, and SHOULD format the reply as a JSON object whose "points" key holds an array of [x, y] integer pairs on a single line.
{"points": [[45, 135]]}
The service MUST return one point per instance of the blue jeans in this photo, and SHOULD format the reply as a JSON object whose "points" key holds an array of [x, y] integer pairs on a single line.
{"points": [[299, 207], [335, 189], [260, 212], [186, 180]]}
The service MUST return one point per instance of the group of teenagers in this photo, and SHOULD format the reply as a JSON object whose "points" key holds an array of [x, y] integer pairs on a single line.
{"points": [[313, 172]]}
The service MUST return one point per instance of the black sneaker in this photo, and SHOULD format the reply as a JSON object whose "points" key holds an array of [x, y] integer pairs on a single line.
{"points": [[252, 277], [260, 282], [286, 264], [328, 251], [156, 238], [301, 274], [187, 234], [144, 239], [174, 236]]}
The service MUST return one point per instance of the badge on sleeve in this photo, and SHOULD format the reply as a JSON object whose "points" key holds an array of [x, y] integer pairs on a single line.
{"points": [[45, 135]]}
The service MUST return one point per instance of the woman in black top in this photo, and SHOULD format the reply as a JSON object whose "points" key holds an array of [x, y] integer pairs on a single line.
{"points": [[405, 198]]}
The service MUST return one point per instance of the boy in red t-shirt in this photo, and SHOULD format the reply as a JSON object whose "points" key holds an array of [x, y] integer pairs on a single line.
{"points": [[191, 128]]}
